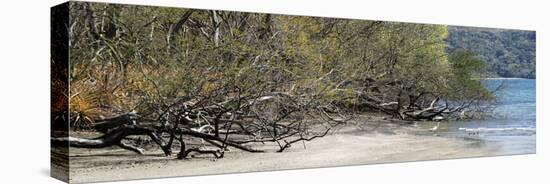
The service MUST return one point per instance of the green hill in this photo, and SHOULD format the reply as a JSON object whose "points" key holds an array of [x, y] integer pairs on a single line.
{"points": [[508, 53]]}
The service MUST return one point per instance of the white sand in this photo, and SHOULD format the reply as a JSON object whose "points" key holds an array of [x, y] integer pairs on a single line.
{"points": [[334, 150]]}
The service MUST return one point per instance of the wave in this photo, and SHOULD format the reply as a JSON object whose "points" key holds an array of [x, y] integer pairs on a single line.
{"points": [[483, 129], [502, 78]]}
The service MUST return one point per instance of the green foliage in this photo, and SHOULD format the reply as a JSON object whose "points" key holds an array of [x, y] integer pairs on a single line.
{"points": [[466, 65], [465, 81], [133, 56]]}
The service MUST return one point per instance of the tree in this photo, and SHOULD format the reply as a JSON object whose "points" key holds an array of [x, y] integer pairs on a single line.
{"points": [[233, 78]]}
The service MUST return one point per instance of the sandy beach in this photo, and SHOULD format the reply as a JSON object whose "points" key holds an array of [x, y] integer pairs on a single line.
{"points": [[372, 143]]}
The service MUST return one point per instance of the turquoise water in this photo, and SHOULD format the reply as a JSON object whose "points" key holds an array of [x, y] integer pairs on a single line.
{"points": [[511, 127]]}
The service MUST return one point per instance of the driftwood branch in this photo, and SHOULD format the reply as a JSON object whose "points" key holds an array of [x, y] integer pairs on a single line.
{"points": [[107, 124], [289, 143]]}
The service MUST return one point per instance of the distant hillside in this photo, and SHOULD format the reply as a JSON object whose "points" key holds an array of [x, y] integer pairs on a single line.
{"points": [[508, 53]]}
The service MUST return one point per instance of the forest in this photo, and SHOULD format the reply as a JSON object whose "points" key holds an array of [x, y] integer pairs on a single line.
{"points": [[232, 79], [508, 53]]}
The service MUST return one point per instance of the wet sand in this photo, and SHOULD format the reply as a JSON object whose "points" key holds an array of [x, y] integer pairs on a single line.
{"points": [[370, 144]]}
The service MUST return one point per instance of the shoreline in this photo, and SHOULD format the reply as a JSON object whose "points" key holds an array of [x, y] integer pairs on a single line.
{"points": [[374, 142], [506, 78]]}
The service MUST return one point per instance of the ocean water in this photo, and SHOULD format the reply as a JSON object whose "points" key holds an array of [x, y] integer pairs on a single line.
{"points": [[511, 126]]}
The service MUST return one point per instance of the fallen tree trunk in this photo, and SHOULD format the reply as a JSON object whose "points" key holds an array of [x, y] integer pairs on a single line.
{"points": [[113, 138], [258, 119]]}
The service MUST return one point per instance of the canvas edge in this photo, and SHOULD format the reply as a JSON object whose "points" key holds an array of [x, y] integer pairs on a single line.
{"points": [[59, 60]]}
